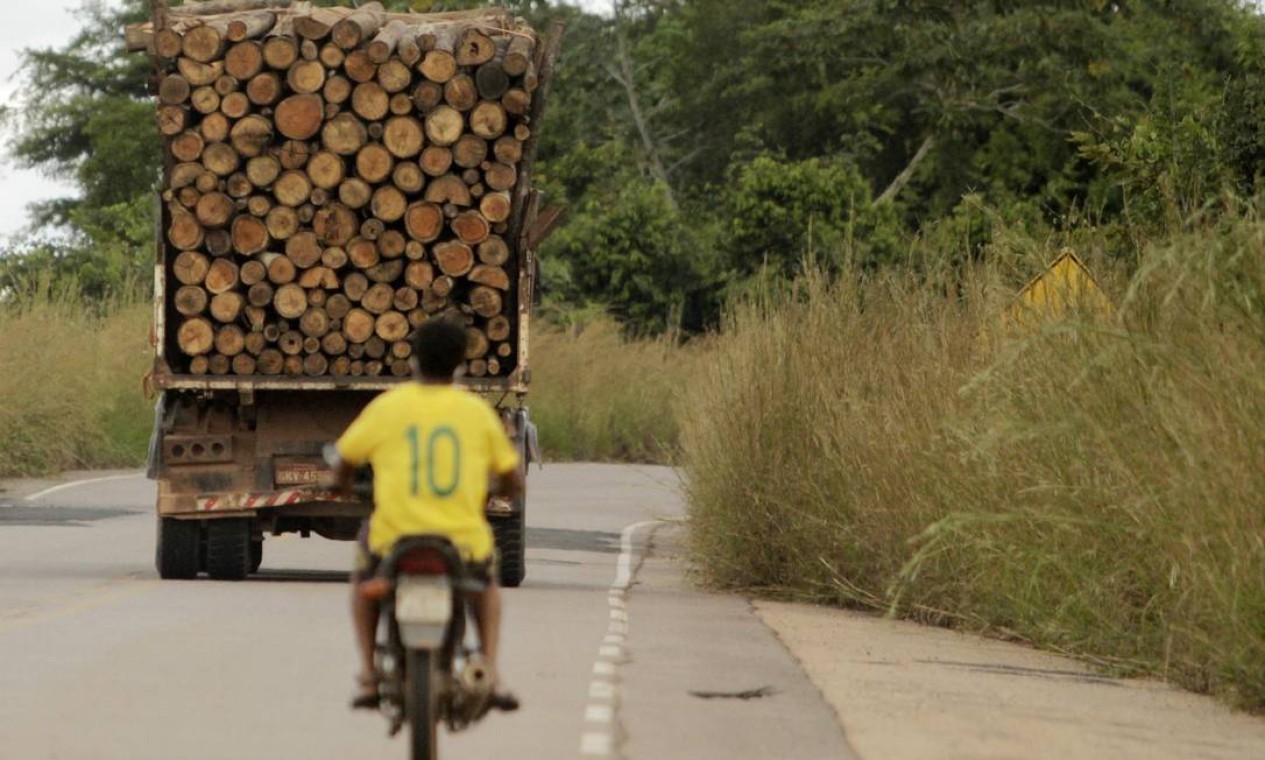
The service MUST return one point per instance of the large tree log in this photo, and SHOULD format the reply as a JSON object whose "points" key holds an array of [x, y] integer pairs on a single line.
{"points": [[260, 294], [215, 210], [314, 323], [304, 250], [386, 272], [292, 188], [217, 7], [281, 270], [471, 228], [290, 301], [250, 235], [184, 232], [358, 326], [221, 277], [492, 276], [172, 120], [461, 93], [493, 251], [403, 136], [488, 120], [262, 171], [230, 341], [492, 81], [355, 193], [392, 326], [227, 307], [205, 100], [196, 336], [299, 117], [454, 259], [326, 170], [251, 136], [271, 362], [200, 74], [337, 90], [496, 207], [264, 89], [205, 43], [294, 154], [519, 56], [335, 225], [338, 306], [476, 343], [444, 125], [370, 101], [306, 77], [245, 364], [436, 160], [440, 62], [186, 147], [500, 177], [408, 177], [424, 221], [363, 253], [388, 204], [406, 299], [475, 48], [516, 102], [244, 60], [499, 328], [470, 151], [359, 68], [486, 301], [174, 90], [282, 222], [395, 77], [317, 24], [355, 285], [374, 163], [344, 135], [427, 95], [280, 53], [190, 300]]}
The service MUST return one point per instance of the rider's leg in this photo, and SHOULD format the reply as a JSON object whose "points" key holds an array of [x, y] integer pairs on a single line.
{"points": [[364, 612], [487, 613]]}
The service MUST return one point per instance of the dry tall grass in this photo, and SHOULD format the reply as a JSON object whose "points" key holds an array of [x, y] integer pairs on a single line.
{"points": [[599, 395], [70, 383], [1094, 487]]}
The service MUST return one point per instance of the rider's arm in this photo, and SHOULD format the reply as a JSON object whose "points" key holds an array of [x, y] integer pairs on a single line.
{"points": [[508, 481], [344, 476], [509, 485]]}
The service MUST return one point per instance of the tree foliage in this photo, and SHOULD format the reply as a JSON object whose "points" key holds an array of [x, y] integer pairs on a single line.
{"points": [[700, 141]]}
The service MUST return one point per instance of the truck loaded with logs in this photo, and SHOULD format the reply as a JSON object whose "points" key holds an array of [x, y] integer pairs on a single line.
{"points": [[332, 179]]}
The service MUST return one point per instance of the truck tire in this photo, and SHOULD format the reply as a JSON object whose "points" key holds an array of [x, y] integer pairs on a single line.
{"points": [[228, 549], [177, 551], [511, 547], [256, 555]]}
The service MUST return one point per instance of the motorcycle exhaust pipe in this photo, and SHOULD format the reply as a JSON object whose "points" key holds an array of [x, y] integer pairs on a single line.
{"points": [[476, 680]]}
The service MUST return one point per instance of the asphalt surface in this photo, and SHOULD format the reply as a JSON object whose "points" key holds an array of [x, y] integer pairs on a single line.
{"points": [[100, 659]]}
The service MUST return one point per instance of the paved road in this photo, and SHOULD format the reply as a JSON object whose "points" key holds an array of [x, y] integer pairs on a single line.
{"points": [[100, 659]]}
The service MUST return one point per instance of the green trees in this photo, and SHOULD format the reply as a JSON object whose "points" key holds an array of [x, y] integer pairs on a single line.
{"points": [[697, 141]]}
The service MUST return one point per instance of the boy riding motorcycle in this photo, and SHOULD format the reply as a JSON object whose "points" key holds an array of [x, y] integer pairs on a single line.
{"points": [[434, 449]]}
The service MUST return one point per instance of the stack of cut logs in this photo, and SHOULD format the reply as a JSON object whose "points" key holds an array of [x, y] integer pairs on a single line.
{"points": [[335, 178]]}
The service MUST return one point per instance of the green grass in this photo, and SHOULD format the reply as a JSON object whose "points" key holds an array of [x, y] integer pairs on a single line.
{"points": [[70, 384], [1094, 486]]}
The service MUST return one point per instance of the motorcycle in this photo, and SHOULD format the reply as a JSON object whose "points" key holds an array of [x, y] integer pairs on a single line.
{"points": [[427, 674]]}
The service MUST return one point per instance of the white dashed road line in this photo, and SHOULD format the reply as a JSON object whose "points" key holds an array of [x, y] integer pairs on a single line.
{"points": [[598, 739], [76, 483]]}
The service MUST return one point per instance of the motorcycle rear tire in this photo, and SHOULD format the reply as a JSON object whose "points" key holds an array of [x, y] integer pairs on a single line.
{"points": [[422, 701]]}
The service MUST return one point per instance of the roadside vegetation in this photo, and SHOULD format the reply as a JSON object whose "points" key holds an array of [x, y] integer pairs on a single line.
{"points": [[1091, 485]]}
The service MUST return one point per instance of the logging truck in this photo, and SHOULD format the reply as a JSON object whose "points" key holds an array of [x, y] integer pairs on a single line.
{"points": [[332, 178]]}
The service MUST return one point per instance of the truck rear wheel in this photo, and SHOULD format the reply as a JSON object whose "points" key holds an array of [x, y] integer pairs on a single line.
{"points": [[256, 555], [177, 551], [228, 549], [511, 547]]}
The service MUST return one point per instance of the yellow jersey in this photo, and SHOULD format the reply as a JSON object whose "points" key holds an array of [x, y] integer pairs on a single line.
{"points": [[433, 449]]}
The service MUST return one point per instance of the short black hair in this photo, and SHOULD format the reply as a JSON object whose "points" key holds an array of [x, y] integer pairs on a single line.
{"points": [[440, 347]]}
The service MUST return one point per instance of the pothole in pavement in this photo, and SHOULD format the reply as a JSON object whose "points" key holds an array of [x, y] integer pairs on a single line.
{"points": [[748, 694]]}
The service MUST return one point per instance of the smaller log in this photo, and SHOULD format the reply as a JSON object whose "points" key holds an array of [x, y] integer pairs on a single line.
{"points": [[477, 368], [196, 336], [332, 56], [387, 41], [229, 342], [519, 56], [363, 253], [294, 154], [433, 301], [406, 300], [291, 342], [461, 93], [238, 187], [424, 221], [200, 74], [255, 343], [244, 60], [280, 53], [304, 249], [403, 136], [187, 146], [221, 276], [419, 275], [444, 125], [354, 286], [516, 102], [499, 328], [281, 271], [251, 136], [185, 233], [250, 26], [190, 300], [199, 365], [338, 306], [374, 163], [292, 188], [335, 225], [227, 307], [491, 80], [294, 366], [394, 77], [344, 135], [205, 43], [414, 251], [205, 100], [359, 68], [370, 101], [168, 44], [427, 95], [253, 272], [474, 48], [314, 323], [270, 362], [440, 64], [319, 277], [244, 364], [476, 343], [359, 26], [262, 171], [436, 160], [392, 326], [507, 150], [299, 117], [226, 85], [489, 120], [337, 90], [400, 349], [471, 228], [492, 276], [186, 174], [260, 294], [174, 90], [326, 170], [487, 302], [355, 193], [290, 301], [375, 347], [388, 204], [259, 205], [172, 120], [448, 189], [501, 177], [470, 151], [496, 207], [391, 244], [235, 105], [250, 235], [358, 327], [454, 259], [408, 177], [214, 210], [282, 223], [306, 77]]}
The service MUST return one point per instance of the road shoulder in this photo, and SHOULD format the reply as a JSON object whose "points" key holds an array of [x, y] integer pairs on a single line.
{"points": [[903, 691]]}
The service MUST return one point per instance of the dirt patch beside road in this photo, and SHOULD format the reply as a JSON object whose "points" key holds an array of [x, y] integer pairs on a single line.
{"points": [[907, 692]]}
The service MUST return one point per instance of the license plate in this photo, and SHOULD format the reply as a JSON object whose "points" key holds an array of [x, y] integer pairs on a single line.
{"points": [[299, 473], [423, 600]]}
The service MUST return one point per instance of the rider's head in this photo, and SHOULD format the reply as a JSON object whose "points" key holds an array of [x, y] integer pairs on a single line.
{"points": [[439, 348]]}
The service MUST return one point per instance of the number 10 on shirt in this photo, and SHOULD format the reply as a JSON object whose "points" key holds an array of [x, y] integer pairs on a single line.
{"points": [[439, 436]]}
